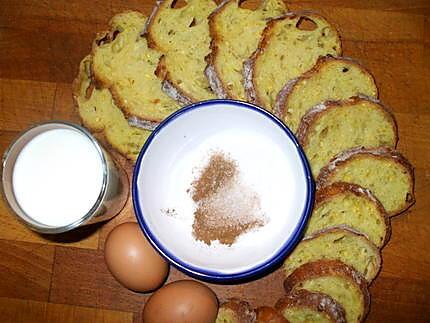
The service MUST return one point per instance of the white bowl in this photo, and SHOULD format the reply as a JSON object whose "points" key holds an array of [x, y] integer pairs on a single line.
{"points": [[271, 163]]}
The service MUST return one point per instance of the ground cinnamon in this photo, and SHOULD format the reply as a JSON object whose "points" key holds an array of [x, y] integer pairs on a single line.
{"points": [[225, 207]]}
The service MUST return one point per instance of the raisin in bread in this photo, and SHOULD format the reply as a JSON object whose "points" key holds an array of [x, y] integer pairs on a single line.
{"points": [[385, 172], [332, 78], [305, 306], [353, 206], [334, 126], [100, 114], [343, 244], [235, 33], [235, 311], [266, 314], [123, 63], [337, 280], [290, 45], [182, 36]]}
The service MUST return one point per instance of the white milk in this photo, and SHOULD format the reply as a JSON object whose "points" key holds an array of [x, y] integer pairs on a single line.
{"points": [[58, 177]]}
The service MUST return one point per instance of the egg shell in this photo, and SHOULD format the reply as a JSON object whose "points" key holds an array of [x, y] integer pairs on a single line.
{"points": [[132, 260], [266, 314], [183, 301]]}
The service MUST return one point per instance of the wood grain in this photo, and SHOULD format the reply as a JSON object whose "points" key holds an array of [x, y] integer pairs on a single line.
{"points": [[410, 300], [399, 70], [370, 25], [11, 229], [97, 285], [64, 278], [24, 103], [126, 215], [25, 270], [80, 277], [22, 311], [63, 104], [415, 6]]}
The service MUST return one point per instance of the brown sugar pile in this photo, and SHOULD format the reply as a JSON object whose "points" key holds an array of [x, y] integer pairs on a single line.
{"points": [[225, 207]]}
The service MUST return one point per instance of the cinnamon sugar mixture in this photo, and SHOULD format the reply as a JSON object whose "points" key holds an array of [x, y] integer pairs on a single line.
{"points": [[225, 207]]}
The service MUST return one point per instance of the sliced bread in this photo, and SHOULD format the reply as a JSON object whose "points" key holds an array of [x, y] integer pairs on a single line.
{"points": [[337, 280], [385, 172], [332, 127], [235, 311], [100, 114], [266, 314], [305, 306], [343, 244], [235, 33], [346, 204], [182, 36], [290, 45], [123, 63], [332, 78]]}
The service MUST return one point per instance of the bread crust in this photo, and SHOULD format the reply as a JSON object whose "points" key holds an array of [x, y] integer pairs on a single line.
{"points": [[323, 268], [315, 301], [102, 37], [150, 21], [284, 95], [266, 314], [351, 231], [316, 112], [144, 33], [134, 121], [380, 153], [168, 86], [326, 193], [249, 64], [100, 82], [76, 89], [211, 71], [106, 36], [243, 311]]}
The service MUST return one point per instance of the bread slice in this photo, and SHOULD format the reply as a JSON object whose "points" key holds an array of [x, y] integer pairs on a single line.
{"points": [[236, 311], [100, 114], [235, 33], [337, 280], [182, 35], [305, 306], [343, 244], [385, 172], [332, 127], [346, 204], [266, 314], [332, 78], [290, 45], [123, 63]]}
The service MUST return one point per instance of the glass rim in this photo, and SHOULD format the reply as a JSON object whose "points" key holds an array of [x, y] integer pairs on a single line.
{"points": [[34, 224]]}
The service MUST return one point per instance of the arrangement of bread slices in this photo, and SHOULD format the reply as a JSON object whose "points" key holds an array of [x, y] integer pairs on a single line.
{"points": [[144, 68]]}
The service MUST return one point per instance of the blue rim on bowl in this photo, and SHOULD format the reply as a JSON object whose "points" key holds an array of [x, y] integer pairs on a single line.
{"points": [[210, 275]]}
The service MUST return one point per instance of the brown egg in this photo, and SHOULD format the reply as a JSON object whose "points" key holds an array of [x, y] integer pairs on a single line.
{"points": [[183, 301], [132, 260], [267, 314]]}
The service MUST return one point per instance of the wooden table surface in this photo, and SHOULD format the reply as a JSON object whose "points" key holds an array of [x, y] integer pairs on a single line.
{"points": [[64, 278]]}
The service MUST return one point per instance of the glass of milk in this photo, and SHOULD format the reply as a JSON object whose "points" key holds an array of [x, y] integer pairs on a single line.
{"points": [[57, 177]]}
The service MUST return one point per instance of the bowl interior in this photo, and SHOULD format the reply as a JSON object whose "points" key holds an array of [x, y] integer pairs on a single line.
{"points": [[269, 161]]}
